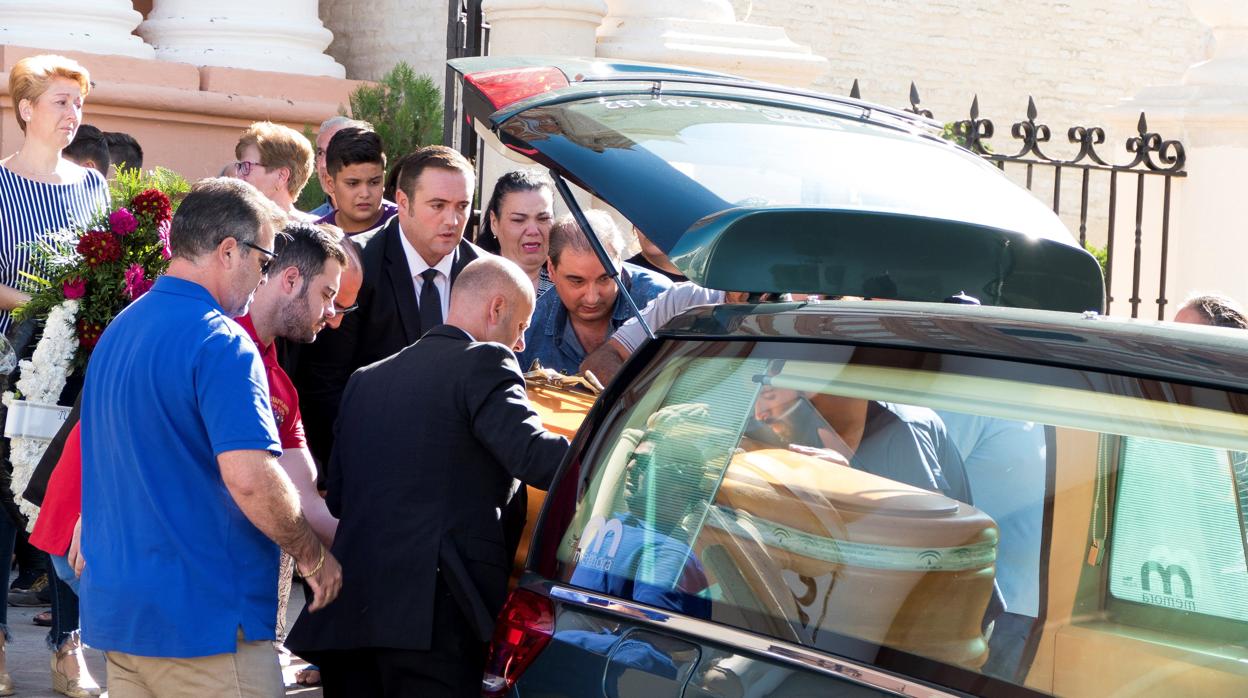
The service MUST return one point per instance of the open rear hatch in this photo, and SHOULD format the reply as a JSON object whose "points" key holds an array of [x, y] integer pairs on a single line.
{"points": [[751, 187]]}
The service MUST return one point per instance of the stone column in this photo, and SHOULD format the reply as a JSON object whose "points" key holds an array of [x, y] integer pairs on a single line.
{"points": [[276, 35], [705, 34], [543, 27], [1208, 113], [94, 26]]}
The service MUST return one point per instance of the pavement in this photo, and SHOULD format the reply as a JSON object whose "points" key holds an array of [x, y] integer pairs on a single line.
{"points": [[29, 660]]}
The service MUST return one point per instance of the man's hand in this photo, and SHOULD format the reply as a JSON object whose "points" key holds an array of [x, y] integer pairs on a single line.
{"points": [[75, 549], [830, 455], [605, 361], [674, 415], [325, 583]]}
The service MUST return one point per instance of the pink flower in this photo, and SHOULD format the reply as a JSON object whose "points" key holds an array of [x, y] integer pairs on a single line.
{"points": [[137, 282], [122, 222], [162, 232], [74, 288]]}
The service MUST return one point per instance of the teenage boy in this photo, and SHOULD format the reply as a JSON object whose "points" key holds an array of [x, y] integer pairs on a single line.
{"points": [[357, 169]]}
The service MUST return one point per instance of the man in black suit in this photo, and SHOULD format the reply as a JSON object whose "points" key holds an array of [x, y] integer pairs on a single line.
{"points": [[427, 447], [410, 266]]}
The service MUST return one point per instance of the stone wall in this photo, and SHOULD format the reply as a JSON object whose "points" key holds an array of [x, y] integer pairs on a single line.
{"points": [[1077, 58], [370, 36]]}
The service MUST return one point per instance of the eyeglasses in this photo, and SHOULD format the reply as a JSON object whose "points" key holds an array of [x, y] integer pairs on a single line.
{"points": [[243, 167], [267, 262], [339, 310]]}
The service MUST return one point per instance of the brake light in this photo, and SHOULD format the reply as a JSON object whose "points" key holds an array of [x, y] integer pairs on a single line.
{"points": [[510, 85], [524, 629]]}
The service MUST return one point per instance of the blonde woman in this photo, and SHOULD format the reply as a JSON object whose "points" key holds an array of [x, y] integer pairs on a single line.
{"points": [[41, 191]]}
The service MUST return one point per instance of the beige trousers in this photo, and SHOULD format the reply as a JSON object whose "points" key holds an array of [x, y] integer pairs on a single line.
{"points": [[252, 670]]}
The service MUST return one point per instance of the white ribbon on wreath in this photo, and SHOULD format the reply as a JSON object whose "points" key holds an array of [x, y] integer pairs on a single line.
{"points": [[42, 378]]}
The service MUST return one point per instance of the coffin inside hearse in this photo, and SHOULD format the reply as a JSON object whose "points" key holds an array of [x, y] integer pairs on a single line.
{"points": [[562, 402]]}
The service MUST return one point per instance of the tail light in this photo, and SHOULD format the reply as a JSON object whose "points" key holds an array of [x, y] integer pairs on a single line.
{"points": [[524, 629], [508, 86]]}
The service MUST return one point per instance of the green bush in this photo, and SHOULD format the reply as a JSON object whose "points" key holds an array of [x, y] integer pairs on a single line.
{"points": [[404, 108], [1101, 254], [312, 194]]}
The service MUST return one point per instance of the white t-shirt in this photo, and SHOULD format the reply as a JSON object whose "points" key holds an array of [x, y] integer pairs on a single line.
{"points": [[664, 307]]}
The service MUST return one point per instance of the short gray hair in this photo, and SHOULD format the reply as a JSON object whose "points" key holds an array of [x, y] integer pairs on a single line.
{"points": [[567, 234], [343, 121], [218, 208]]}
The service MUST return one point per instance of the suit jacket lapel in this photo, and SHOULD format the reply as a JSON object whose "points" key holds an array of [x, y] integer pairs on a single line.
{"points": [[401, 282]]}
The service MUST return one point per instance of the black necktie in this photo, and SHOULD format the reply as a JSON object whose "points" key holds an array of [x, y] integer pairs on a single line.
{"points": [[430, 301]]}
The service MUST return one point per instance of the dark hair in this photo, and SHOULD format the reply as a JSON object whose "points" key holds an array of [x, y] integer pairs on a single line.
{"points": [[528, 179], [566, 233], [411, 166], [218, 208], [307, 247], [124, 150], [1218, 311], [351, 146], [89, 144]]}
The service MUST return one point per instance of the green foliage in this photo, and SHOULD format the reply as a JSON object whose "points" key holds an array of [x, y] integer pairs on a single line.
{"points": [[950, 133], [312, 194], [404, 108], [1101, 254], [106, 283]]}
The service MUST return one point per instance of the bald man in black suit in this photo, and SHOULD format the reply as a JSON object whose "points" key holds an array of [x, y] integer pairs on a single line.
{"points": [[427, 447]]}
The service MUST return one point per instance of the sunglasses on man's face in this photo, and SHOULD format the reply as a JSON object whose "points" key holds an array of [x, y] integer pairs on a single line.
{"points": [[267, 262]]}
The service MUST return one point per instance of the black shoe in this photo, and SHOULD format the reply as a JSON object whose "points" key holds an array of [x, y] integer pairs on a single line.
{"points": [[29, 581], [39, 594]]}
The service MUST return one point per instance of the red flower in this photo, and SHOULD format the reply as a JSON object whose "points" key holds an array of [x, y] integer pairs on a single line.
{"points": [[74, 288], [98, 247], [154, 203], [89, 333]]}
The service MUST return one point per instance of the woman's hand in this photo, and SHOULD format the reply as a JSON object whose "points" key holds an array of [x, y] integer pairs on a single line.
{"points": [[75, 549]]}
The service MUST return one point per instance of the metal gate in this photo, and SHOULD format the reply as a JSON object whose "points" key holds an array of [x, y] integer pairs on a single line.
{"points": [[1152, 158]]}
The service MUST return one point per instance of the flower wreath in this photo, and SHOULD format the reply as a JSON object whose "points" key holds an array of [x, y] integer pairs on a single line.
{"points": [[85, 278]]}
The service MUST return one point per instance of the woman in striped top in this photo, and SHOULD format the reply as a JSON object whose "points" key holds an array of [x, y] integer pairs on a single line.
{"points": [[41, 192]]}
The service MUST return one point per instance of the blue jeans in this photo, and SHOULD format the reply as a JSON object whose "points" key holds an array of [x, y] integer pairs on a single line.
{"points": [[64, 603], [8, 535], [65, 571]]}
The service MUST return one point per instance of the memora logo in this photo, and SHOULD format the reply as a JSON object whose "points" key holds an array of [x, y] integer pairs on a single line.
{"points": [[600, 534], [1159, 583]]}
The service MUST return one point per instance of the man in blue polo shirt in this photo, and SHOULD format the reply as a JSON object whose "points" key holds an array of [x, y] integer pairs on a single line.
{"points": [[183, 498]]}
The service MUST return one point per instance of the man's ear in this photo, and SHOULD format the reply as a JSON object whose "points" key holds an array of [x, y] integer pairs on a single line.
{"points": [[400, 198], [290, 278], [228, 252], [498, 309], [328, 184]]}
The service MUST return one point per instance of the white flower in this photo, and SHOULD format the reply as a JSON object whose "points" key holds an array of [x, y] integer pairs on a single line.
{"points": [[42, 380]]}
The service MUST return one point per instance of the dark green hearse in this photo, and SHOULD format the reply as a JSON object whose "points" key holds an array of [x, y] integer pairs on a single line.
{"points": [[895, 496]]}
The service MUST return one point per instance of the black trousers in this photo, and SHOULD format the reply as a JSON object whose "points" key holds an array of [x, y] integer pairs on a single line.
{"points": [[450, 668]]}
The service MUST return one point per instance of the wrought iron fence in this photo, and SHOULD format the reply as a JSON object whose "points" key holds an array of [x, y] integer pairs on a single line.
{"points": [[1152, 157], [467, 34]]}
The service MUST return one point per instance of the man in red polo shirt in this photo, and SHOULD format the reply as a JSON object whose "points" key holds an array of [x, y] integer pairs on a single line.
{"points": [[295, 303]]}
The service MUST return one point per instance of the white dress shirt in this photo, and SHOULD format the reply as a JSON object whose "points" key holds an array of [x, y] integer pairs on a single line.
{"points": [[417, 264]]}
